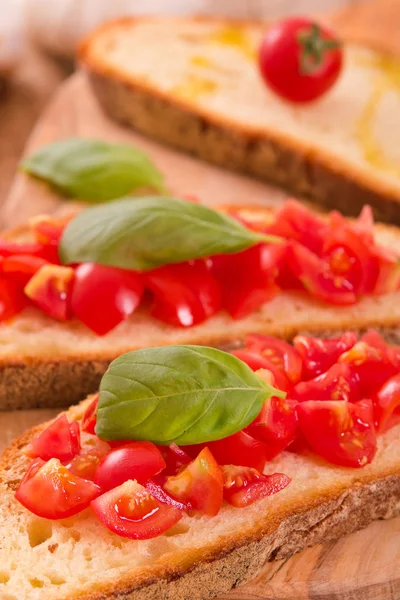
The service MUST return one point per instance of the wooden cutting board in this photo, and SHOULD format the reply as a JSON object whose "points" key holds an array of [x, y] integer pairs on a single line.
{"points": [[361, 566]]}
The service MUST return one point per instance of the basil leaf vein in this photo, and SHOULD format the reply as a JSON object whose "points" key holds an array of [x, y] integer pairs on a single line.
{"points": [[182, 394], [152, 231], [93, 170]]}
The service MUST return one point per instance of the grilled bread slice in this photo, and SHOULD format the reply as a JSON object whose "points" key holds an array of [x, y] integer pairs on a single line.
{"points": [[195, 84], [203, 556], [48, 363]]}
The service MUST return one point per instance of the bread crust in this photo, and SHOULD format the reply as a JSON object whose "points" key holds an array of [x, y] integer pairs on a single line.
{"points": [[274, 157], [201, 575]]}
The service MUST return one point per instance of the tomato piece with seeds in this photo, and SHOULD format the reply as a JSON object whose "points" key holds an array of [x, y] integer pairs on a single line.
{"points": [[276, 425], [50, 290], [280, 353], [244, 486], [60, 439], [319, 354], [339, 382]]}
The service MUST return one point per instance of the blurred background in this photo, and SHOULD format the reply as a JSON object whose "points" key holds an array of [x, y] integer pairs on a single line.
{"points": [[38, 40]]}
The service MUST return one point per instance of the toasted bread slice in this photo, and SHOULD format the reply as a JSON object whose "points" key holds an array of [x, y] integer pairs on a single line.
{"points": [[195, 84], [48, 363], [202, 556]]}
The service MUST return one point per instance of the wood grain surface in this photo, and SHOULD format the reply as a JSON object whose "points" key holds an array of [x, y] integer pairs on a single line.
{"points": [[362, 566]]}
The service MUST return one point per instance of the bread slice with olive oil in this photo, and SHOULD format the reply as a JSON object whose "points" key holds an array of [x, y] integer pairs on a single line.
{"points": [[195, 84], [48, 363], [202, 556]]}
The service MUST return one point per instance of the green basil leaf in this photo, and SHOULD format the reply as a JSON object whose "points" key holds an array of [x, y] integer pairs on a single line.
{"points": [[93, 170], [182, 394], [152, 231]]}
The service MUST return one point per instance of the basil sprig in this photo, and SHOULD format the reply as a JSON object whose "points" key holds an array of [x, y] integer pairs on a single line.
{"points": [[182, 394], [93, 170], [152, 231]]}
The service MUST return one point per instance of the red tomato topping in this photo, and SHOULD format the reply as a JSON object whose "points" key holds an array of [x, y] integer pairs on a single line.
{"points": [[248, 278], [341, 432], [387, 404], [60, 439], [319, 354], [339, 382], [50, 491], [86, 462], [243, 485], [12, 300], [200, 483], [119, 290], [174, 457], [21, 267], [276, 425], [257, 361], [50, 290], [132, 512], [280, 353], [239, 449], [184, 294], [154, 486], [135, 460], [88, 422], [299, 59]]}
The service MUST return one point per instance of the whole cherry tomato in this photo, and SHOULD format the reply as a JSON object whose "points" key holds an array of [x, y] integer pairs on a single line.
{"points": [[299, 59]]}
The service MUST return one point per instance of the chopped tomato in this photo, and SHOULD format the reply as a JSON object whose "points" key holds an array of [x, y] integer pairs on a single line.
{"points": [[339, 382], [174, 457], [243, 485], [86, 462], [155, 487], [12, 300], [247, 278], [240, 449], [276, 425], [135, 460], [253, 219], [48, 230], [387, 404], [10, 248], [50, 289], [296, 222], [319, 354], [200, 483], [257, 361], [279, 352], [317, 277], [185, 294], [388, 269], [342, 433], [371, 364], [88, 422], [21, 267], [60, 439], [132, 512], [50, 491], [104, 296]]}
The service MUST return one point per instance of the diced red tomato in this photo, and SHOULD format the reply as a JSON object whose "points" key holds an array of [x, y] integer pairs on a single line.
{"points": [[319, 354], [342, 433], [136, 460], [50, 491], [279, 352], [88, 422], [48, 230], [339, 382], [317, 277], [86, 462], [387, 404], [297, 223], [257, 361], [185, 294], [243, 485], [50, 290], [371, 364], [10, 248], [200, 484], [239, 449], [155, 487], [132, 512], [12, 300], [252, 218], [104, 296], [60, 439], [21, 267], [247, 278], [174, 457], [276, 425]]}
